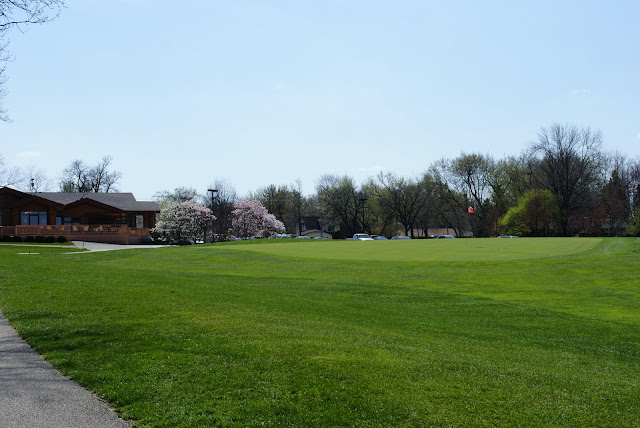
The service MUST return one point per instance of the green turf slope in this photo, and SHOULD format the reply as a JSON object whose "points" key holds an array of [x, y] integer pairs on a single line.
{"points": [[298, 334]]}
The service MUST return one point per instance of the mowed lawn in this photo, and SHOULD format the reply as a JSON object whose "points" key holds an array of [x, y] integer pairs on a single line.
{"points": [[478, 332]]}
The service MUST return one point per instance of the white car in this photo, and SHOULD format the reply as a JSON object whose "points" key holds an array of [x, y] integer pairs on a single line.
{"points": [[362, 237], [280, 236]]}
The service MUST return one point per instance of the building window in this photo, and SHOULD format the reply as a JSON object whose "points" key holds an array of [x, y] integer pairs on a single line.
{"points": [[33, 217], [96, 221], [67, 220]]}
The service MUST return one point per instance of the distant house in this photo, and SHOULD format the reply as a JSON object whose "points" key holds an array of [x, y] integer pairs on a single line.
{"points": [[98, 217], [312, 228]]}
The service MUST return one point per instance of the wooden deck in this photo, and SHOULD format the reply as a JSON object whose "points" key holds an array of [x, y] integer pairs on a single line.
{"points": [[102, 233]]}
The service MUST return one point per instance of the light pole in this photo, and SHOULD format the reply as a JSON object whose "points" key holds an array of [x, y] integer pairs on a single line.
{"points": [[214, 193], [363, 200]]}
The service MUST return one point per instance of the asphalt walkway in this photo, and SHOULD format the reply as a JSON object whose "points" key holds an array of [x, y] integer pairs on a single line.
{"points": [[90, 246], [99, 246], [35, 395]]}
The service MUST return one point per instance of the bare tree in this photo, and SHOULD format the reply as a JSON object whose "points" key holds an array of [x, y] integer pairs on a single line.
{"points": [[34, 179], [103, 179], [75, 178], [471, 174], [635, 182], [571, 166], [221, 205], [406, 198], [8, 176], [19, 14], [297, 201], [617, 193], [449, 205], [4, 57], [340, 202], [79, 177]]}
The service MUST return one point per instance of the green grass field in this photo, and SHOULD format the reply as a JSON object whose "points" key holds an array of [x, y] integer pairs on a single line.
{"points": [[445, 333]]}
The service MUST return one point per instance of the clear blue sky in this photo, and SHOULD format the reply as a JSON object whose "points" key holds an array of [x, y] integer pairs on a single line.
{"points": [[258, 93]]}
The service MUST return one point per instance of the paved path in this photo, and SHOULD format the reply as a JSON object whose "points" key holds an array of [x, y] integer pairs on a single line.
{"points": [[98, 246], [35, 395], [91, 246]]}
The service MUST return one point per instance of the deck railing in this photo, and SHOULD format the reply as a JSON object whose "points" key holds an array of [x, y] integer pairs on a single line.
{"points": [[99, 233]]}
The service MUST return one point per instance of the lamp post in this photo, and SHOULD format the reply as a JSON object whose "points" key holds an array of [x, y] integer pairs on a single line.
{"points": [[363, 200], [214, 193]]}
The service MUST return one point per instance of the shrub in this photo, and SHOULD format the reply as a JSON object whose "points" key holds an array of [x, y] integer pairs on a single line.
{"points": [[634, 224], [29, 239], [61, 239], [16, 238], [40, 238], [50, 239], [532, 216], [6, 238]]}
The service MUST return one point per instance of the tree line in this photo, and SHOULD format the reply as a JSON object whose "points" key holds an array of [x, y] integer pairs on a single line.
{"points": [[562, 184], [78, 177]]}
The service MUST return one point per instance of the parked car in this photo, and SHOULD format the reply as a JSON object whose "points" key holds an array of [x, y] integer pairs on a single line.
{"points": [[280, 236], [444, 237], [147, 240], [380, 238], [508, 236], [401, 237], [362, 237], [321, 237], [302, 237]]}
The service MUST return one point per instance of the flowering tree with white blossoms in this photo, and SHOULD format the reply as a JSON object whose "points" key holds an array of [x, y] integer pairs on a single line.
{"points": [[251, 218], [184, 220]]}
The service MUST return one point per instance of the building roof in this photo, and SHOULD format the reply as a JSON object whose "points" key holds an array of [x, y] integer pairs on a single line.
{"points": [[311, 223], [122, 201]]}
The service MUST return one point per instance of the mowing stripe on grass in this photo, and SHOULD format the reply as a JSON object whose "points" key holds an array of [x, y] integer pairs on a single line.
{"points": [[427, 249]]}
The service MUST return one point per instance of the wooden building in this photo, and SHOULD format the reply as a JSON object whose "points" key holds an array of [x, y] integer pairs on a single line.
{"points": [[97, 217]]}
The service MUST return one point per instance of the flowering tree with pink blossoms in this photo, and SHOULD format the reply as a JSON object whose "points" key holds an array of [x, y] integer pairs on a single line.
{"points": [[184, 220], [251, 218]]}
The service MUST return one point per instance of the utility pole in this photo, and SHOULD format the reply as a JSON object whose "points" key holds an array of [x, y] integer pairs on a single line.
{"points": [[214, 193]]}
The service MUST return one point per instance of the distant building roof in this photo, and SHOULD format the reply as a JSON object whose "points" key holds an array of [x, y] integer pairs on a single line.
{"points": [[311, 223]]}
